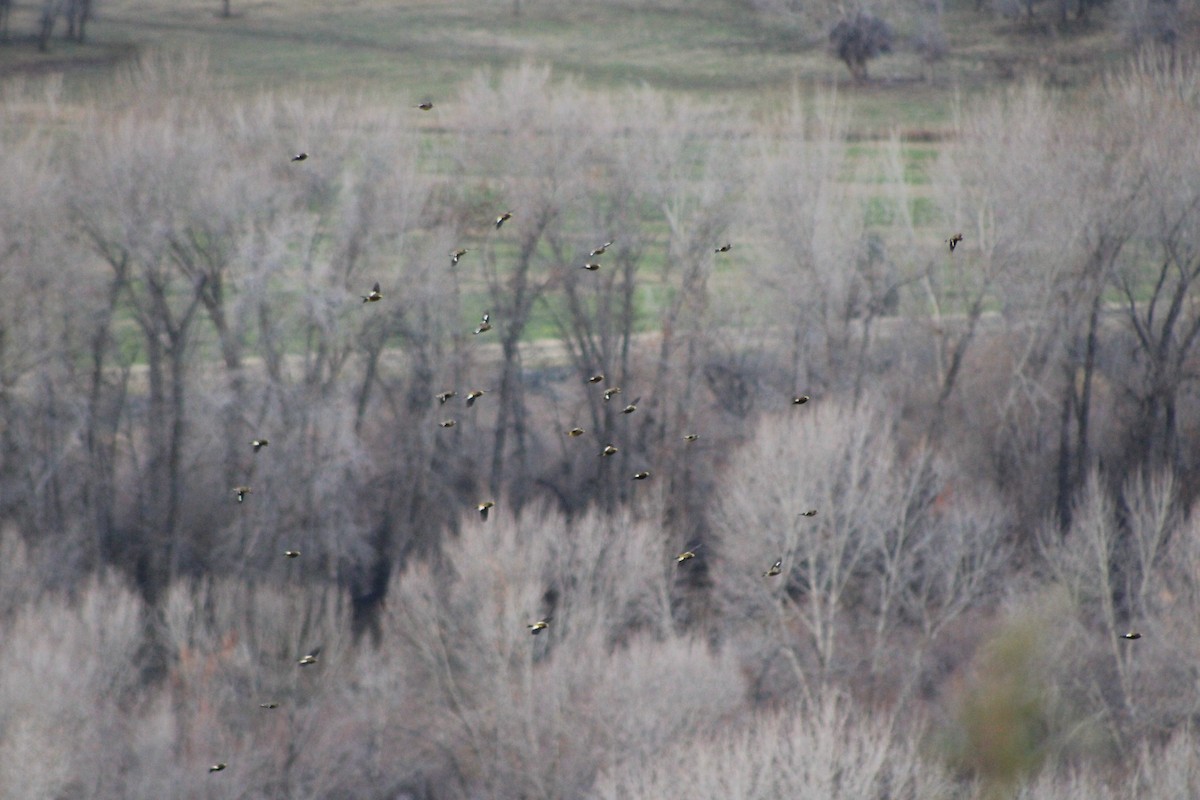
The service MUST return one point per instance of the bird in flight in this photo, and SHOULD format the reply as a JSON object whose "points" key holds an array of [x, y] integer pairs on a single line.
{"points": [[299, 157], [608, 450], [291, 553], [591, 266], [374, 294], [691, 437], [259, 444], [240, 492], [725, 248], [484, 507], [575, 432], [812, 512], [447, 423], [474, 395], [687, 554], [1131, 635], [500, 219], [954, 240], [444, 396], [268, 705], [537, 627], [775, 569], [217, 767], [456, 255], [310, 657], [610, 393], [426, 106], [632, 407], [597, 378], [800, 399], [599, 251], [485, 324], [641, 476]]}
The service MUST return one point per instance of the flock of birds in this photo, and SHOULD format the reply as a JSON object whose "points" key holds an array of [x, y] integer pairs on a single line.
{"points": [[483, 508]]}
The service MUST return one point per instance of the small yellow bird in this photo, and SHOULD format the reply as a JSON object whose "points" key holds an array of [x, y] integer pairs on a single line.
{"points": [[687, 555], [474, 395], [259, 444], [457, 254], [775, 569], [447, 423], [1131, 635], [426, 106], [537, 627], [374, 294], [484, 507], [632, 407], [575, 432], [608, 450], [485, 324], [220, 765], [240, 492], [691, 437], [268, 705], [599, 251], [500, 219], [610, 393], [444, 396], [299, 157], [812, 512], [725, 248], [641, 476], [800, 399], [310, 657], [291, 553], [954, 240], [597, 378]]}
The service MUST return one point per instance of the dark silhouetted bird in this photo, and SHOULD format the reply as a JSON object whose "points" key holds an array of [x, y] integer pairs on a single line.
{"points": [[374, 295], [608, 450], [291, 553], [485, 324], [537, 627], [220, 765], [632, 407], [812, 512], [725, 248], [1131, 635], [444, 396], [775, 569], [687, 554], [474, 395], [310, 657], [259, 444], [501, 219], [457, 254], [484, 507], [597, 378], [240, 492], [954, 240], [591, 266], [599, 251], [447, 423], [641, 476], [800, 399], [610, 393], [299, 157], [691, 437], [426, 106], [575, 432], [268, 705]]}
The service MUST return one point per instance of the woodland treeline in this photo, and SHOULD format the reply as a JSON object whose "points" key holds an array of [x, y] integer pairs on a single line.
{"points": [[1000, 446]]}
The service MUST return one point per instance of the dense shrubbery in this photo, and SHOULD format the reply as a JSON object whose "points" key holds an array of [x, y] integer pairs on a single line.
{"points": [[999, 449]]}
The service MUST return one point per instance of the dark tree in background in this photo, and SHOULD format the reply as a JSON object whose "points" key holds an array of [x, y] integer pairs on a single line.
{"points": [[858, 39]]}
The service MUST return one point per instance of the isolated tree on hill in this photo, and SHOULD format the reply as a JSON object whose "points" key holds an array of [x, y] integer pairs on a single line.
{"points": [[856, 40]]}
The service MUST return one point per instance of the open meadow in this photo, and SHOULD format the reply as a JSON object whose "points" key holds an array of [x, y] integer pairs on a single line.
{"points": [[662, 412]]}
